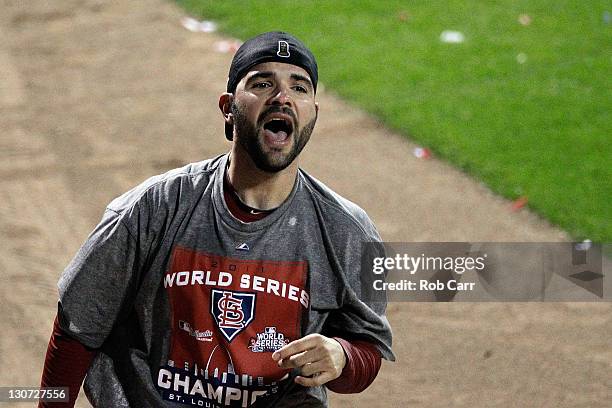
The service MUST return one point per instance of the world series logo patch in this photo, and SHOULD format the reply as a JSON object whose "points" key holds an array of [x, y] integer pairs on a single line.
{"points": [[268, 342]]}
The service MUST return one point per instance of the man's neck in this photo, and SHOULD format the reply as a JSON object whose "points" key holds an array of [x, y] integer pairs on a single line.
{"points": [[257, 188]]}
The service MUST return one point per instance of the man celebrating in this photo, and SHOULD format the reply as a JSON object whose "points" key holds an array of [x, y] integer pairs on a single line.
{"points": [[233, 282]]}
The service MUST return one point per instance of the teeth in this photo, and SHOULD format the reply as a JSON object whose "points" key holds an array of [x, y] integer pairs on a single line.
{"points": [[281, 124]]}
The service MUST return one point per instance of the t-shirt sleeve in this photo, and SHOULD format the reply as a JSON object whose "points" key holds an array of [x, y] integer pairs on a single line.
{"points": [[96, 286], [356, 320], [362, 313]]}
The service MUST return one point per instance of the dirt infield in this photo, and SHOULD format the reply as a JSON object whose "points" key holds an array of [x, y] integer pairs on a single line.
{"points": [[96, 96]]}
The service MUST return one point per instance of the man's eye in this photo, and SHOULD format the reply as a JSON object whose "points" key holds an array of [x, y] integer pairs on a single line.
{"points": [[262, 85], [300, 88]]}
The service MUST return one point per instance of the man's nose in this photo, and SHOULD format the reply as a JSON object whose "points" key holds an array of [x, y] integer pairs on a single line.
{"points": [[281, 97]]}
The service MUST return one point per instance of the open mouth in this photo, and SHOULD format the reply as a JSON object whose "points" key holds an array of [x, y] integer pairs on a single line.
{"points": [[278, 130]]}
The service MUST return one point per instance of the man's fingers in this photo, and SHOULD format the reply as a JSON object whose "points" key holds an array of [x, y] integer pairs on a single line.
{"points": [[319, 359], [296, 346], [292, 361], [309, 370], [298, 360], [314, 381]]}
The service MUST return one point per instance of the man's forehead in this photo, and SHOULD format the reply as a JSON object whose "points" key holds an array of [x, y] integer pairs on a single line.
{"points": [[276, 68]]}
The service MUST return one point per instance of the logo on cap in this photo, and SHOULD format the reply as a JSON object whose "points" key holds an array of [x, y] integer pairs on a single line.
{"points": [[283, 49]]}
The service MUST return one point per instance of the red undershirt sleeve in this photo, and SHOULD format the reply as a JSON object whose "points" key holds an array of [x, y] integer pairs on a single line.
{"points": [[66, 364], [362, 365]]}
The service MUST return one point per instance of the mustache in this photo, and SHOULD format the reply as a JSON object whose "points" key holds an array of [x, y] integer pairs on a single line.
{"points": [[277, 109]]}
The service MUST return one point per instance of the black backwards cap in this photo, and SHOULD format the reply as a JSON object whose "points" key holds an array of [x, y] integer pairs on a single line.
{"points": [[274, 46]]}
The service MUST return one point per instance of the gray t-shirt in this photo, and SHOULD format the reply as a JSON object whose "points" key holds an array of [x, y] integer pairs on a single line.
{"points": [[186, 303]]}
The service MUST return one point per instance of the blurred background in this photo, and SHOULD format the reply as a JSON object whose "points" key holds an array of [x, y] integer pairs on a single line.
{"points": [[454, 121]]}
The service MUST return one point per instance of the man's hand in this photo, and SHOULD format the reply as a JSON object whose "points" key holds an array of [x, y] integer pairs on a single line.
{"points": [[319, 358]]}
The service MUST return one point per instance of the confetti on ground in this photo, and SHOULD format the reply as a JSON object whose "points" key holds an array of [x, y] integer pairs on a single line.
{"points": [[525, 19], [584, 245], [403, 16], [519, 203], [452, 37], [208, 26], [421, 153], [195, 26], [227, 46], [521, 58], [607, 17]]}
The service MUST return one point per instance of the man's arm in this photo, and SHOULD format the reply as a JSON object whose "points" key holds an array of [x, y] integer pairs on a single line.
{"points": [[362, 365], [66, 364]]}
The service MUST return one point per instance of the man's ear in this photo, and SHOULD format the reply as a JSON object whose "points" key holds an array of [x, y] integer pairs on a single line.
{"points": [[225, 105]]}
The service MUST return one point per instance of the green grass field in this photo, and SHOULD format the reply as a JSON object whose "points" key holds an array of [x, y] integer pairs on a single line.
{"points": [[539, 129]]}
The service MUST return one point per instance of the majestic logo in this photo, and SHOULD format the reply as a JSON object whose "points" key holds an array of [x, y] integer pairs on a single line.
{"points": [[243, 247], [283, 49], [268, 341], [233, 311], [199, 335]]}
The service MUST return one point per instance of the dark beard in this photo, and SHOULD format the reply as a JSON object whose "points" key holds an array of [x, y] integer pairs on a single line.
{"points": [[248, 137]]}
